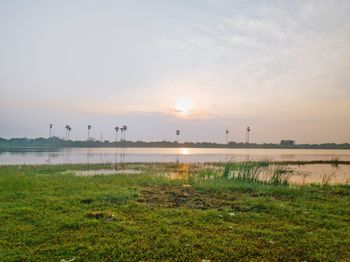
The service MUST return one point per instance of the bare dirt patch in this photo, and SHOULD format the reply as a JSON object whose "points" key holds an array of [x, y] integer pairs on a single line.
{"points": [[174, 197]]}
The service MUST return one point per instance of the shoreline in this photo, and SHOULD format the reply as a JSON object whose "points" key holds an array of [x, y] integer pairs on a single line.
{"points": [[163, 147]]}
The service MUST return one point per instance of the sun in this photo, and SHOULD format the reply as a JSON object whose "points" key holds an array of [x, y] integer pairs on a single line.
{"points": [[183, 104]]}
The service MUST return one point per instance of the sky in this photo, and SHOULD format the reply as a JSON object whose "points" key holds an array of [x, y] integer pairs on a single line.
{"points": [[200, 66]]}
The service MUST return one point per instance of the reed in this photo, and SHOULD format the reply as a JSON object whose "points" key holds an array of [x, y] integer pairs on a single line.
{"points": [[261, 172]]}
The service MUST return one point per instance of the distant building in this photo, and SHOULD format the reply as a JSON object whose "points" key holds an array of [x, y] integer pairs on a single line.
{"points": [[287, 142]]}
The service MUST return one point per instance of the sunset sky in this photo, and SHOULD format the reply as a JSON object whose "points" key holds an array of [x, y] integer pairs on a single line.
{"points": [[280, 67]]}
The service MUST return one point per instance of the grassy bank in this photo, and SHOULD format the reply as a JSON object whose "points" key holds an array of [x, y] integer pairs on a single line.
{"points": [[198, 215]]}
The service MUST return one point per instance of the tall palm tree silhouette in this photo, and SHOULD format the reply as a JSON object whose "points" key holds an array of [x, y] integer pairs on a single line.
{"points": [[67, 128], [247, 134], [121, 133], [89, 127], [125, 128], [116, 133], [177, 136], [227, 136], [51, 125]]}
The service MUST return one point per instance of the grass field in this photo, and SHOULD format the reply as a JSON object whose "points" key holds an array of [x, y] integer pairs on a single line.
{"points": [[172, 212]]}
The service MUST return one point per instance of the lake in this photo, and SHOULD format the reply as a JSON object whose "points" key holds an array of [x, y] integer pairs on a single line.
{"points": [[305, 174], [148, 155]]}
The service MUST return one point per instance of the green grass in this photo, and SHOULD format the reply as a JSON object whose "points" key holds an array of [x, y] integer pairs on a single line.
{"points": [[252, 172], [49, 216]]}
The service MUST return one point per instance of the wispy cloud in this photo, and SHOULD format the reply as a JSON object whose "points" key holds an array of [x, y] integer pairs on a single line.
{"points": [[241, 62]]}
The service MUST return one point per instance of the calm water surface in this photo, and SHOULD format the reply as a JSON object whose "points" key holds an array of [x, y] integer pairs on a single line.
{"points": [[189, 155]]}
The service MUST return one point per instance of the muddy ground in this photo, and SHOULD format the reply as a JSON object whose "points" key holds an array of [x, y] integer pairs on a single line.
{"points": [[174, 197]]}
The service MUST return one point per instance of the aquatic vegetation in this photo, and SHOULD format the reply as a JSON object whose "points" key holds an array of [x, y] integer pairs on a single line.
{"points": [[262, 172], [280, 175], [335, 162]]}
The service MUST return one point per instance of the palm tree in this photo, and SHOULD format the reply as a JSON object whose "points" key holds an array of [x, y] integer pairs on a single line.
{"points": [[227, 136], [89, 127], [67, 128], [121, 133], [177, 136], [247, 134], [116, 133], [125, 128], [51, 125]]}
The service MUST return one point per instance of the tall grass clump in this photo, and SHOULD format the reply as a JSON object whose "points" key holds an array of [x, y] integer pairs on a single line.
{"points": [[261, 172], [279, 176], [246, 171]]}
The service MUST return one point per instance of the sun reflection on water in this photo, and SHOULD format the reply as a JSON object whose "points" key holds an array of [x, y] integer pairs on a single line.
{"points": [[184, 151]]}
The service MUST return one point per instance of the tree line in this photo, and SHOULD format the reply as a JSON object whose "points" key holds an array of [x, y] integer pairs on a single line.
{"points": [[55, 142]]}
